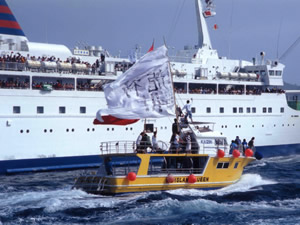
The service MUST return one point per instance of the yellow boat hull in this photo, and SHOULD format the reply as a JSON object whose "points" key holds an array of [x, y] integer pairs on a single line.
{"points": [[218, 173]]}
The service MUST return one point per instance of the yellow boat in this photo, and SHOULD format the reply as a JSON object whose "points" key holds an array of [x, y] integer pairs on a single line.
{"points": [[207, 166]]}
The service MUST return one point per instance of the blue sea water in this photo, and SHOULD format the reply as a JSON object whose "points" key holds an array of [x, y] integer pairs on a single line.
{"points": [[268, 193]]}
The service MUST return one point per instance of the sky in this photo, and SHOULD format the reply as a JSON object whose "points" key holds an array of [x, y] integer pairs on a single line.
{"points": [[245, 27]]}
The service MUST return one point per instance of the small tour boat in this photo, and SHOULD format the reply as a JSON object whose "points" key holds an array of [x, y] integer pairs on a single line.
{"points": [[206, 164]]}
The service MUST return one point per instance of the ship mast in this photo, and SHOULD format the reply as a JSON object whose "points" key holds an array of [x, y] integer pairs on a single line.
{"points": [[203, 35]]}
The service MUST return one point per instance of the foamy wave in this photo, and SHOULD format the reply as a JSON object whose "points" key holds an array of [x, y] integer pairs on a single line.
{"points": [[157, 211], [246, 183], [284, 159], [52, 201]]}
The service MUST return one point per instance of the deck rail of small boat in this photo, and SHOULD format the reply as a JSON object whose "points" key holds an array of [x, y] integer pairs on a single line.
{"points": [[127, 147]]}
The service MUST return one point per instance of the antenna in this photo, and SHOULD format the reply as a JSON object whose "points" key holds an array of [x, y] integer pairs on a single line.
{"points": [[294, 45], [279, 32]]}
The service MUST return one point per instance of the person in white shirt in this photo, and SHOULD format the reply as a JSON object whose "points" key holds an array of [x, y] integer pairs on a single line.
{"points": [[188, 108], [154, 142]]}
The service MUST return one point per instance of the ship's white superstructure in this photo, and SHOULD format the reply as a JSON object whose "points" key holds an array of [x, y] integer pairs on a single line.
{"points": [[48, 104]]}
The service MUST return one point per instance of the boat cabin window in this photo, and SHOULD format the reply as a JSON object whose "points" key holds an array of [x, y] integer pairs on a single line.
{"points": [[222, 165], [278, 72], [264, 110], [253, 110], [220, 141], [248, 110], [282, 109], [234, 110], [271, 72], [263, 73], [183, 165], [180, 88], [236, 165], [208, 110], [221, 109], [121, 165]]}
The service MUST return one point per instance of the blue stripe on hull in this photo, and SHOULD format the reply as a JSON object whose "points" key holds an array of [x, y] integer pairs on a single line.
{"points": [[80, 162], [48, 164], [279, 150]]}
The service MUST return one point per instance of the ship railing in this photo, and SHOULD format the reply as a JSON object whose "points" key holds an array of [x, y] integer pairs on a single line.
{"points": [[116, 147], [12, 66]]}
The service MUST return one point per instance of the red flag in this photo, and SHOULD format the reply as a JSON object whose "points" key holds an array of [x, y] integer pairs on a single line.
{"points": [[152, 47], [111, 120]]}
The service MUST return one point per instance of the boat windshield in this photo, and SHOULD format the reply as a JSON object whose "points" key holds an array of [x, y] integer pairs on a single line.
{"points": [[177, 165]]}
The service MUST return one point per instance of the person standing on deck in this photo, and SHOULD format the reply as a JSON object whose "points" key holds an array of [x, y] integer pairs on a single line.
{"points": [[154, 142], [188, 108], [251, 143]]}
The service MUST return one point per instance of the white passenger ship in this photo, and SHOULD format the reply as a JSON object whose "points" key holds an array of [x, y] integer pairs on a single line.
{"points": [[49, 96]]}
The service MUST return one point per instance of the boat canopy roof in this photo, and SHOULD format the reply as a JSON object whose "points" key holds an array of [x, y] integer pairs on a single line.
{"points": [[39, 49]]}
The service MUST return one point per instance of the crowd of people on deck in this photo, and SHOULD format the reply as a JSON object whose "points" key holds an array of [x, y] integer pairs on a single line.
{"points": [[14, 84], [241, 145], [54, 85], [230, 91], [6, 62]]}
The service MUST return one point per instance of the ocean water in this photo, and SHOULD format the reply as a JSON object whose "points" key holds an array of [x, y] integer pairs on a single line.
{"points": [[268, 193]]}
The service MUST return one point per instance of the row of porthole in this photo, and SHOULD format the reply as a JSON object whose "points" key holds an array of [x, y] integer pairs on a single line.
{"points": [[67, 130], [239, 126]]}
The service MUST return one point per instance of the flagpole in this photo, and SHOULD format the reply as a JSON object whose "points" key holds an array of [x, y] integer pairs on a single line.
{"points": [[176, 113]]}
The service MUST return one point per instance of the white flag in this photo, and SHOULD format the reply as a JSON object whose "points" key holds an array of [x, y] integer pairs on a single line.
{"points": [[143, 91]]}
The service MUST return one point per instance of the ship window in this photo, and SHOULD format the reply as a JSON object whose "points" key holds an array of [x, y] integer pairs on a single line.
{"points": [[278, 72], [240, 110], [62, 109], [282, 109], [262, 73], [264, 110], [234, 110], [39, 109], [253, 110], [236, 165], [82, 109], [248, 110], [269, 110], [221, 109], [149, 127], [180, 88], [271, 72], [208, 110], [222, 165], [193, 109], [16, 109], [226, 165]]}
